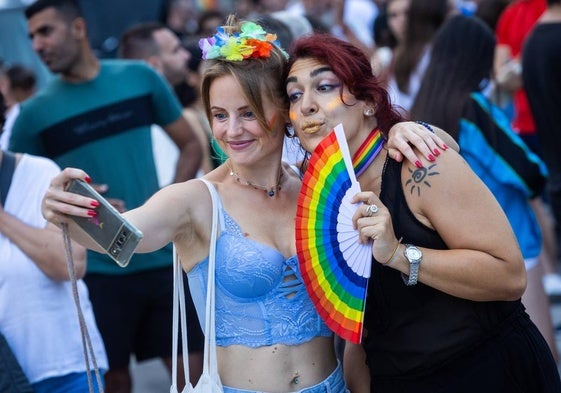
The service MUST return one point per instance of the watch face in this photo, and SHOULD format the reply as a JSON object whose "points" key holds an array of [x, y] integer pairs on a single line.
{"points": [[414, 253]]}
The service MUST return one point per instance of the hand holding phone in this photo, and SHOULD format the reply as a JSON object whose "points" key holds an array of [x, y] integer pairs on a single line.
{"points": [[108, 228]]}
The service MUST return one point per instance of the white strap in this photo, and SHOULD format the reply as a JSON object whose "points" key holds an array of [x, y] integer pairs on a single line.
{"points": [[210, 364], [179, 304]]}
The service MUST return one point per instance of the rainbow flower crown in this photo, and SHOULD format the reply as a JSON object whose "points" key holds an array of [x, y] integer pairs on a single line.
{"points": [[252, 42]]}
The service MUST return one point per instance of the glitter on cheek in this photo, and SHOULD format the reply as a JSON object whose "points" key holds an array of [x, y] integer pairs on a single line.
{"points": [[335, 103]]}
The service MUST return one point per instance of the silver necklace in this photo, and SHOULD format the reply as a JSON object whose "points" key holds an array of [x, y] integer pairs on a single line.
{"points": [[271, 191]]}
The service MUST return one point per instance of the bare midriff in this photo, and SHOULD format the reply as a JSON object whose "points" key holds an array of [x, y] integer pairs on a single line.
{"points": [[277, 368]]}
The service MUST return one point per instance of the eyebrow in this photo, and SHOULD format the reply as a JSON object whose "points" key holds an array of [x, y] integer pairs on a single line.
{"points": [[241, 108], [42, 30], [314, 73]]}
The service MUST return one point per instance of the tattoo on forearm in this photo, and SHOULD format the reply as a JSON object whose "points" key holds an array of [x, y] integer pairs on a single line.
{"points": [[419, 176]]}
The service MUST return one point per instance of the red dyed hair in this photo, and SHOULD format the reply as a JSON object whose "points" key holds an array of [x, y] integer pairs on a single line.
{"points": [[352, 67]]}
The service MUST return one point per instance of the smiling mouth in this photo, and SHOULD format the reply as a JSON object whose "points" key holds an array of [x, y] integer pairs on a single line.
{"points": [[311, 127]]}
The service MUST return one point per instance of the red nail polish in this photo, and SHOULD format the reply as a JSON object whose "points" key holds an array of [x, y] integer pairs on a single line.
{"points": [[92, 213], [418, 164], [437, 152], [431, 157], [445, 147], [94, 203], [88, 180]]}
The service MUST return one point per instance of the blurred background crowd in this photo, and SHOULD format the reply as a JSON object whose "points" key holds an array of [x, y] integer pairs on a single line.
{"points": [[396, 34]]}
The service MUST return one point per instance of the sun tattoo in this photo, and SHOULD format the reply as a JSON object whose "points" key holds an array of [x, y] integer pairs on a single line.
{"points": [[419, 177]]}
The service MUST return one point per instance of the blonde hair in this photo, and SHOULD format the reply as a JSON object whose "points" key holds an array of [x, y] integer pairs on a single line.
{"points": [[258, 78]]}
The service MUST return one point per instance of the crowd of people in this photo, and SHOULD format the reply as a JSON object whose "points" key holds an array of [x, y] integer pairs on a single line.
{"points": [[461, 205]]}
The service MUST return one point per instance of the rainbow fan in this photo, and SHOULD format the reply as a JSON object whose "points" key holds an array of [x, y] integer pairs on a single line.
{"points": [[335, 267]]}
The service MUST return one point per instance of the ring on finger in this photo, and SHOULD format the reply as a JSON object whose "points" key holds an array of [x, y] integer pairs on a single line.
{"points": [[371, 210]]}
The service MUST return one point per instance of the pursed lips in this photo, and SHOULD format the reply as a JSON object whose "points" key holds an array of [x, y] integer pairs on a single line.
{"points": [[311, 127]]}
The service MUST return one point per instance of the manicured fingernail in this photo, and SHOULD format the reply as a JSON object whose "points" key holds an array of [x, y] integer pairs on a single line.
{"points": [[88, 179], [92, 213], [437, 152], [431, 157], [418, 164], [94, 203], [445, 147]]}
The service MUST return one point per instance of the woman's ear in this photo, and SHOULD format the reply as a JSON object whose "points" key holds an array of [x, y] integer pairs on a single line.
{"points": [[369, 112], [369, 109]]}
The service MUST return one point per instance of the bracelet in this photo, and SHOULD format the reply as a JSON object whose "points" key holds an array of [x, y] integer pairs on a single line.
{"points": [[426, 125], [394, 253]]}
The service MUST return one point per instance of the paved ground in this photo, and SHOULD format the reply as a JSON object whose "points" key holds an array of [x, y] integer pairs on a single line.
{"points": [[152, 376]]}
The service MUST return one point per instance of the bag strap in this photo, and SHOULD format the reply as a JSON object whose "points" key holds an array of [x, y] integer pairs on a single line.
{"points": [[87, 346], [6, 173], [179, 308], [210, 364]]}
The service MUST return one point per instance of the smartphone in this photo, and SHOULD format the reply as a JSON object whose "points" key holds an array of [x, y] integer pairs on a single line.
{"points": [[118, 237]]}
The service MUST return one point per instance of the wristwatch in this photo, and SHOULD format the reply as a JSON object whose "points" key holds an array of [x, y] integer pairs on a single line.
{"points": [[414, 256]]}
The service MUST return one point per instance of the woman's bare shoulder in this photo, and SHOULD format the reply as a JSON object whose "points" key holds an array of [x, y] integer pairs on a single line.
{"points": [[447, 138]]}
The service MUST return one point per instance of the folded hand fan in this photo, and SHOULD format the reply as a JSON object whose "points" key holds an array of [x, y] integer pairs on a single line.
{"points": [[335, 267]]}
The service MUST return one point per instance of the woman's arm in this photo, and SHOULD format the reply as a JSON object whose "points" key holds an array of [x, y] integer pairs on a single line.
{"points": [[483, 263], [165, 217], [357, 376]]}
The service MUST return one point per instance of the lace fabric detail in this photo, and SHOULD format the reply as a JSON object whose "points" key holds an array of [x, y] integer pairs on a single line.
{"points": [[260, 296], [231, 226]]}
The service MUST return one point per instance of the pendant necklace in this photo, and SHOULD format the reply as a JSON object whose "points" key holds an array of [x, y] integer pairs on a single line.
{"points": [[271, 191], [368, 151]]}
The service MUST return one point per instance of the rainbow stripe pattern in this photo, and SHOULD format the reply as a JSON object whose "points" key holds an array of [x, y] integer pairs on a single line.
{"points": [[368, 151], [335, 267]]}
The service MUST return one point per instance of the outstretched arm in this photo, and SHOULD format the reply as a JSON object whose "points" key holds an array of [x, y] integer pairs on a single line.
{"points": [[157, 219], [178, 213]]}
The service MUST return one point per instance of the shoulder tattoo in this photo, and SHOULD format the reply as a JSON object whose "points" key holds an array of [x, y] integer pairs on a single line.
{"points": [[420, 178]]}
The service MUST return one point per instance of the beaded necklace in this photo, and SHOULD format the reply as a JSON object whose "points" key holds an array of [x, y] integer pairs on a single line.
{"points": [[271, 191], [368, 151]]}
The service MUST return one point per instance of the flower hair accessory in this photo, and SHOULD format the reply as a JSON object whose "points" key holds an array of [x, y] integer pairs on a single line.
{"points": [[252, 42]]}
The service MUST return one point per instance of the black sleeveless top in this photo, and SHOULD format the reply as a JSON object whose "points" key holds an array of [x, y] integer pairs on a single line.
{"points": [[411, 331]]}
